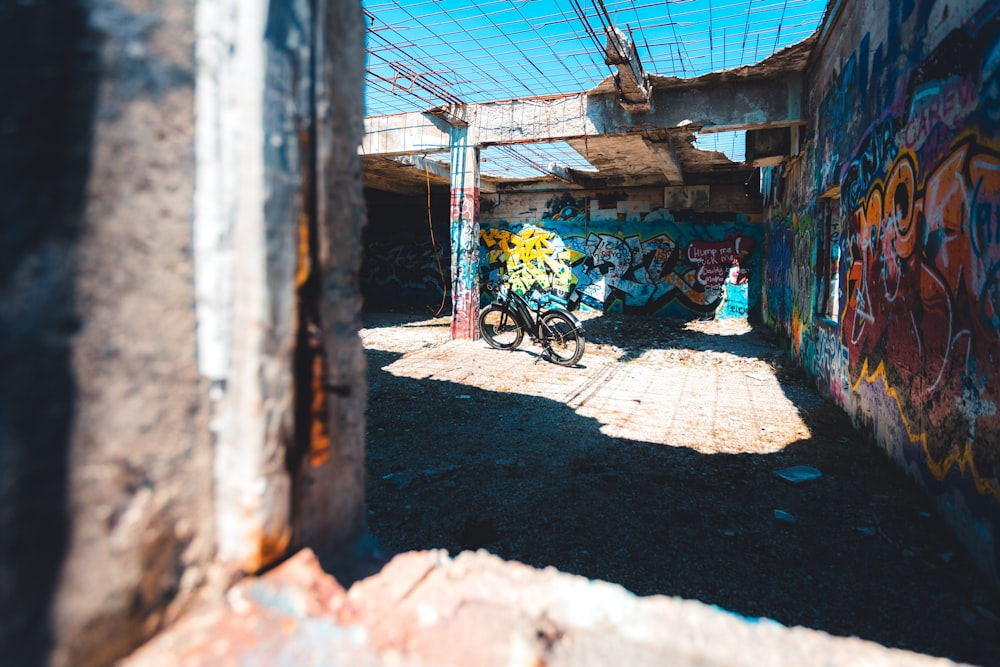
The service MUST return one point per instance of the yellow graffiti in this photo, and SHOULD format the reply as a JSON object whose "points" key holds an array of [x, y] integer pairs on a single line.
{"points": [[532, 244], [530, 258], [496, 242], [961, 457]]}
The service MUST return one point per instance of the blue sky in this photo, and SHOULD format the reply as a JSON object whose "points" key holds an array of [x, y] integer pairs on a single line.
{"points": [[422, 53]]}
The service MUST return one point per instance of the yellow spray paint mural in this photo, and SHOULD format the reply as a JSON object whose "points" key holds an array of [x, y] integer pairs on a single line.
{"points": [[531, 257]]}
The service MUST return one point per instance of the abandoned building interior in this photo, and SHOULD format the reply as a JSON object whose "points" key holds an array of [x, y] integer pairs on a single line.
{"points": [[200, 199]]}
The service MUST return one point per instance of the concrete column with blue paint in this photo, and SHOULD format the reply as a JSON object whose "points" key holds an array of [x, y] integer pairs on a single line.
{"points": [[735, 295], [464, 235]]}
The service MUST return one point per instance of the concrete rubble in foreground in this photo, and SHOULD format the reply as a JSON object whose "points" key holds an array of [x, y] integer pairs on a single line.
{"points": [[425, 608]]}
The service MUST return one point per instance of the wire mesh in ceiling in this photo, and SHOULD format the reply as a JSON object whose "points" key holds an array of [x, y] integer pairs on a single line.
{"points": [[423, 53]]}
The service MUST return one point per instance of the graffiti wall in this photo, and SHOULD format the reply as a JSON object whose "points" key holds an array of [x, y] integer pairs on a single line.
{"points": [[620, 252], [405, 271], [790, 273], [406, 263], [641, 260], [913, 351]]}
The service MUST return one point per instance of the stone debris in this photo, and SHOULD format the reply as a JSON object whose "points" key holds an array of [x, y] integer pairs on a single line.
{"points": [[425, 609]]}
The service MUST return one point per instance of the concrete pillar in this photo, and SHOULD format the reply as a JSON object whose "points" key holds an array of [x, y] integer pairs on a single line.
{"points": [[329, 482], [464, 235], [278, 229], [253, 424]]}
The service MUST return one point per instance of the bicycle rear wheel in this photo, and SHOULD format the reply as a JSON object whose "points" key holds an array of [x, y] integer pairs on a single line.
{"points": [[562, 339], [499, 327]]}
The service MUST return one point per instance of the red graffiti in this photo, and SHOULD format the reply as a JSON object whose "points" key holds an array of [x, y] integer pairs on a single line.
{"points": [[464, 204], [936, 105]]}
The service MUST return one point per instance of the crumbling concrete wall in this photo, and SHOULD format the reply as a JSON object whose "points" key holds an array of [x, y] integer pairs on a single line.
{"points": [[903, 159], [475, 609], [181, 384]]}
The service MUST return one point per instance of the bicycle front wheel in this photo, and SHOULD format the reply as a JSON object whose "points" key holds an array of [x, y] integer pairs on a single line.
{"points": [[562, 338], [499, 327]]}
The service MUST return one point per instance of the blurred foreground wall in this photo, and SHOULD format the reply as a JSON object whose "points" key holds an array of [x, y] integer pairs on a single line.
{"points": [[181, 383]]}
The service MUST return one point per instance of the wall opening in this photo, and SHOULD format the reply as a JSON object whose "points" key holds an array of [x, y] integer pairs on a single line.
{"points": [[732, 143], [828, 258]]}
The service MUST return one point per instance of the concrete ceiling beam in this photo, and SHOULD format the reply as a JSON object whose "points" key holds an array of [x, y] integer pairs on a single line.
{"points": [[412, 133], [727, 103], [665, 156], [733, 104], [433, 168]]}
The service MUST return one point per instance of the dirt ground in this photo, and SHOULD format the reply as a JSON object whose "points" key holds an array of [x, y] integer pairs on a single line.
{"points": [[652, 464]]}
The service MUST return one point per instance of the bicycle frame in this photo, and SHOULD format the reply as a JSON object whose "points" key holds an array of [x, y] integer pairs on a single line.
{"points": [[530, 320], [516, 304]]}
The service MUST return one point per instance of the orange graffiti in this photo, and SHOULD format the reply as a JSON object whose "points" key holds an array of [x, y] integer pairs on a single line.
{"points": [[922, 299]]}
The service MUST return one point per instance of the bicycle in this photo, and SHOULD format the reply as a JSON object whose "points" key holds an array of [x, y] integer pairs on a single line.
{"points": [[504, 322]]}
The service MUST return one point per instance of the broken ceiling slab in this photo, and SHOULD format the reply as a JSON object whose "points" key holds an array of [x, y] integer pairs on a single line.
{"points": [[633, 88], [731, 104], [394, 175], [768, 147], [626, 158], [663, 152], [412, 175], [629, 148]]}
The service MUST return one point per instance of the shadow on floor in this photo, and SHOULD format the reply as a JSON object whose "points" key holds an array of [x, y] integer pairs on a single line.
{"points": [[857, 552]]}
